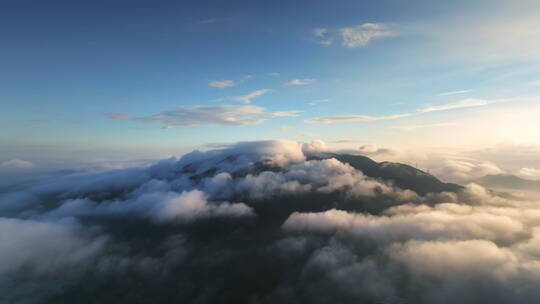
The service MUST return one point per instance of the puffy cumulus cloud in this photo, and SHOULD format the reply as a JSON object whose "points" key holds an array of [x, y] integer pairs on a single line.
{"points": [[316, 146], [282, 221], [191, 205], [244, 154], [207, 115], [330, 175]]}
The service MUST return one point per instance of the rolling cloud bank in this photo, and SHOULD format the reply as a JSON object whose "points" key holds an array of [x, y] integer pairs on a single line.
{"points": [[267, 222]]}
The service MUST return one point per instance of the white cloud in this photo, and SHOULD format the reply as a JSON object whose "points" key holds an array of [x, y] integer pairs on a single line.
{"points": [[283, 114], [17, 164], [465, 103], [446, 221], [207, 115], [191, 205], [373, 150], [354, 36], [319, 32], [341, 118], [315, 146], [304, 81], [221, 83], [529, 173], [361, 35], [454, 92], [466, 170], [247, 98], [44, 247]]}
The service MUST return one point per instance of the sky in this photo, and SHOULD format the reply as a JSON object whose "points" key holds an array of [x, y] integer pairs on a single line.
{"points": [[129, 80]]}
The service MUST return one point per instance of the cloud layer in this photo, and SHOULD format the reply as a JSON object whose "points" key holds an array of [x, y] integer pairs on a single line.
{"points": [[275, 221]]}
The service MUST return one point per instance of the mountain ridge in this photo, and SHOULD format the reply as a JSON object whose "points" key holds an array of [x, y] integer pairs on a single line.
{"points": [[401, 175]]}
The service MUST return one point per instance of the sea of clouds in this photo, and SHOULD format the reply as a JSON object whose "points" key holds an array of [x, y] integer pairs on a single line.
{"points": [[263, 222]]}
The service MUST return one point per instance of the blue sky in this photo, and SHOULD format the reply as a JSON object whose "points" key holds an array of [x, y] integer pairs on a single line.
{"points": [[132, 79]]}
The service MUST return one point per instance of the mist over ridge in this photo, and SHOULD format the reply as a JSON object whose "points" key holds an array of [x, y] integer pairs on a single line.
{"points": [[266, 221]]}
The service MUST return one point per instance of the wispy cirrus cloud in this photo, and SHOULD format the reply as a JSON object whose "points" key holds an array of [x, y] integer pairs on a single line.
{"points": [[318, 101], [193, 116], [322, 36], [354, 36], [465, 103], [422, 126], [455, 92], [303, 81], [17, 164], [342, 118], [247, 98], [361, 35], [320, 32], [222, 83]]}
